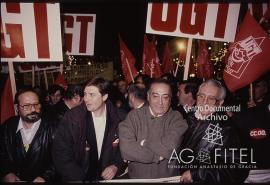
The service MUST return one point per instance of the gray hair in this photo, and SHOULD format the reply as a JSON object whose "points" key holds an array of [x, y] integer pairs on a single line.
{"points": [[215, 83]]}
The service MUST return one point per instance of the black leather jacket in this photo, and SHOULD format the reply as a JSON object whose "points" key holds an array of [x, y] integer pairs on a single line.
{"points": [[28, 165], [203, 137]]}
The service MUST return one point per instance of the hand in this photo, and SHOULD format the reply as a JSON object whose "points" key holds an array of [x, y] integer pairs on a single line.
{"points": [[186, 177], [39, 179], [109, 172], [11, 177], [251, 103]]}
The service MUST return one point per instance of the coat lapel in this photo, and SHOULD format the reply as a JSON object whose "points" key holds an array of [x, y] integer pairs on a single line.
{"points": [[92, 135], [37, 140]]}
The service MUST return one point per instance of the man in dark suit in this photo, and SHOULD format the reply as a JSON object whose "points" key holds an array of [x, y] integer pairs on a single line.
{"points": [[73, 97], [25, 143], [85, 146]]}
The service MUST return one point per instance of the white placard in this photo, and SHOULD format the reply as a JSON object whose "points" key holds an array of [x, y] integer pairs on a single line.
{"points": [[31, 32], [208, 21], [79, 33]]}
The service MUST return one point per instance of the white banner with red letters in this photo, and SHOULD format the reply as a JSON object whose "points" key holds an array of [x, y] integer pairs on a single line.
{"points": [[208, 21], [79, 33], [31, 32]]}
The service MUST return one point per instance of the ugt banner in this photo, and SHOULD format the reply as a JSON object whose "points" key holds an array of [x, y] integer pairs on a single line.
{"points": [[30, 32]]}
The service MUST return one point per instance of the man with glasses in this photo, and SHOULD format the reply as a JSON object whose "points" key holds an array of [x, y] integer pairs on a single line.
{"points": [[85, 147], [210, 133], [150, 134], [25, 144]]}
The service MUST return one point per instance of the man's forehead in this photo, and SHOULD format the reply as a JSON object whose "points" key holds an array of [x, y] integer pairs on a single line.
{"points": [[91, 89], [209, 90], [160, 89], [28, 96]]}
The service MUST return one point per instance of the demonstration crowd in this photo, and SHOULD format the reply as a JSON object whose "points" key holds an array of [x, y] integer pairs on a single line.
{"points": [[152, 128]]}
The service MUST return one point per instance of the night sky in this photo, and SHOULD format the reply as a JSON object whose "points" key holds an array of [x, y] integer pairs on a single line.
{"points": [[127, 19]]}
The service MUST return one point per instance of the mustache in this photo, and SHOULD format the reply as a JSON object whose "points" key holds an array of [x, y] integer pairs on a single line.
{"points": [[33, 114]]}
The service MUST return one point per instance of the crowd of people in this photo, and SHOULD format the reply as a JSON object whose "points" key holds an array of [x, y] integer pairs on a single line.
{"points": [[152, 128]]}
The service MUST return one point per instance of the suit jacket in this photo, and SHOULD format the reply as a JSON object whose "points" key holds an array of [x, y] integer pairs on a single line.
{"points": [[37, 161], [72, 158]]}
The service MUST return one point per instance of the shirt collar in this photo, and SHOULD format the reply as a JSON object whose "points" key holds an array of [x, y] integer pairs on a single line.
{"points": [[139, 106], [152, 113], [20, 125], [102, 116]]}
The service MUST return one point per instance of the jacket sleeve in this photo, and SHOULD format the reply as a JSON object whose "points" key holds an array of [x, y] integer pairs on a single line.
{"points": [[118, 161], [7, 164], [63, 155], [50, 171], [171, 139], [130, 148], [229, 174]]}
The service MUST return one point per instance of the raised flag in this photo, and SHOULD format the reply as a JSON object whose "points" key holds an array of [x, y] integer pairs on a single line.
{"points": [[60, 80], [7, 104], [249, 55], [167, 60], [151, 64], [205, 66], [128, 62]]}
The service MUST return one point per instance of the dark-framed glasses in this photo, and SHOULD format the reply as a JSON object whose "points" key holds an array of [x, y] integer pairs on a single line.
{"points": [[28, 107], [212, 100]]}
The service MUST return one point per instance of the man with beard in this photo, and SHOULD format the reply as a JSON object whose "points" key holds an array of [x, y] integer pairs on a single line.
{"points": [[25, 143]]}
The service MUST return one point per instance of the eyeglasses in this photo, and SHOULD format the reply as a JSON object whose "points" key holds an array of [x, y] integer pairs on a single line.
{"points": [[210, 99], [28, 107]]}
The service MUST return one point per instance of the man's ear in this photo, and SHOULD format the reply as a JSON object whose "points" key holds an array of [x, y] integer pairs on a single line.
{"points": [[148, 96], [77, 98], [105, 97]]}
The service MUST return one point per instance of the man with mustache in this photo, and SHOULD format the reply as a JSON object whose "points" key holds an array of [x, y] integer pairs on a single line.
{"points": [[25, 143]]}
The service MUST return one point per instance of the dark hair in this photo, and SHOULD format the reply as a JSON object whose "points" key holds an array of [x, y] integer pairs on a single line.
{"points": [[160, 81], [191, 88], [138, 92], [145, 78], [101, 83], [22, 91], [72, 91], [54, 88]]}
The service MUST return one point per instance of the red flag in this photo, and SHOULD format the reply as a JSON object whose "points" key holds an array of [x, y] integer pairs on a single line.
{"points": [[7, 104], [205, 66], [151, 65], [167, 60], [261, 12], [128, 62], [60, 80], [249, 55]]}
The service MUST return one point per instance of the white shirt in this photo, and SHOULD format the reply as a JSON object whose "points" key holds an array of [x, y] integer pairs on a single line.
{"points": [[139, 106], [152, 113], [28, 133], [100, 125]]}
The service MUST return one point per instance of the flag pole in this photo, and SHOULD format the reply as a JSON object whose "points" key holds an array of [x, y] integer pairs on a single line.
{"points": [[12, 78], [176, 70], [12, 81], [33, 75], [186, 70], [251, 91], [151, 69], [61, 68], [45, 79], [130, 71]]}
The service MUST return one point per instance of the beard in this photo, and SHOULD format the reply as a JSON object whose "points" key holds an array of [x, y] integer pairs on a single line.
{"points": [[31, 118]]}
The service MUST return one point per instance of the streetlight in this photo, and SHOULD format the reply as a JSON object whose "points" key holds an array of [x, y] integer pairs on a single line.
{"points": [[181, 45]]}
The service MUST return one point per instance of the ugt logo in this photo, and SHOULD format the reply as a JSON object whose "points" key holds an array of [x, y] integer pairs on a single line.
{"points": [[242, 53]]}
